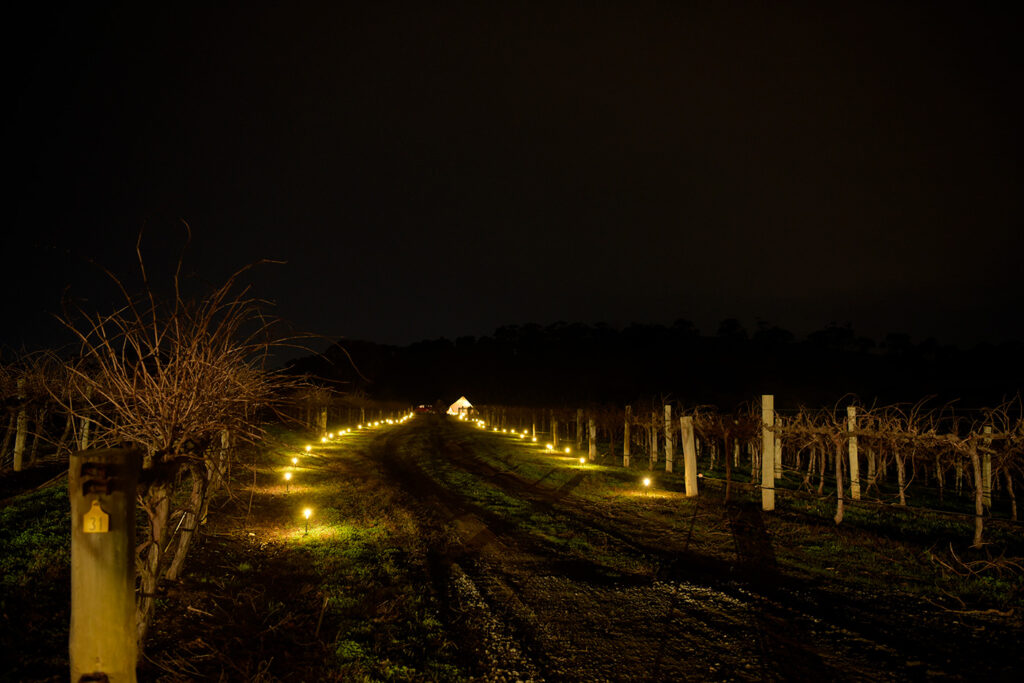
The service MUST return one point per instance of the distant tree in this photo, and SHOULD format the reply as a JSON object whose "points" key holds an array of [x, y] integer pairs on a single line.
{"points": [[771, 336], [732, 330], [897, 343], [833, 338]]}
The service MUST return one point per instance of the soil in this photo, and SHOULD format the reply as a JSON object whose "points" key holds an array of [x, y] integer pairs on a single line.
{"points": [[695, 617], [658, 603]]}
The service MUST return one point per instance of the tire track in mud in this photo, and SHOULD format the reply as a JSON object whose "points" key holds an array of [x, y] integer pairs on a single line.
{"points": [[803, 631], [695, 618], [780, 639], [573, 623]]}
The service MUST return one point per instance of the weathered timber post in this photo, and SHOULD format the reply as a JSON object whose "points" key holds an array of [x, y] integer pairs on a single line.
{"points": [[767, 452], [625, 437], [554, 431], [689, 454], [986, 468], [653, 434], [534, 435], [872, 469], [592, 440], [362, 415], [102, 488], [669, 445], [323, 423], [851, 426], [778, 457], [579, 428], [22, 429]]}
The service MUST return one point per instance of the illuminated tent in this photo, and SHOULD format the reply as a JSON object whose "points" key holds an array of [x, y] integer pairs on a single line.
{"points": [[460, 407]]}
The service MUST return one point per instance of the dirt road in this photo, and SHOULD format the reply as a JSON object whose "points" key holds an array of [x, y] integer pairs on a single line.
{"points": [[532, 611]]}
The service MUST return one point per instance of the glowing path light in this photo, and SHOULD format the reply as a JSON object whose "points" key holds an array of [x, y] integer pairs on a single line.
{"points": [[550, 447], [309, 448], [568, 450], [295, 461], [287, 481], [583, 461], [307, 513]]}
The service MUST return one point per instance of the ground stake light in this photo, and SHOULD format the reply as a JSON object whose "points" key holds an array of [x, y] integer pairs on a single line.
{"points": [[583, 461], [309, 448], [295, 461], [287, 481], [307, 513]]}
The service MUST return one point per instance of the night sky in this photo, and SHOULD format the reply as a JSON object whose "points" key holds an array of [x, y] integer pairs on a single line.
{"points": [[431, 171]]}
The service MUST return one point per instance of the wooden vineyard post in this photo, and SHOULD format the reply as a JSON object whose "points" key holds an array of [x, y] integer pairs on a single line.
{"points": [[322, 424], [689, 454], [102, 488], [22, 428], [579, 429], [625, 437], [653, 434], [669, 445], [767, 452], [534, 426], [592, 440], [986, 468], [778, 458], [872, 468], [554, 432], [851, 426]]}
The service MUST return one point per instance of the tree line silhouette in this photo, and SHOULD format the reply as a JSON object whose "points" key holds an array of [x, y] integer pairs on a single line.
{"points": [[572, 363]]}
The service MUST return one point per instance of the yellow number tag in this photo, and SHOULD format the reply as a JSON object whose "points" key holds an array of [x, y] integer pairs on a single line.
{"points": [[96, 521]]}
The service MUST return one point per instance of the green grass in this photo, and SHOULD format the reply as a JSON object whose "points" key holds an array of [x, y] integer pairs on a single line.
{"points": [[877, 548], [35, 576]]}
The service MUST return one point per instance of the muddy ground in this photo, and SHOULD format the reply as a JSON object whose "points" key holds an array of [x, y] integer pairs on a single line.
{"points": [[479, 564], [728, 615]]}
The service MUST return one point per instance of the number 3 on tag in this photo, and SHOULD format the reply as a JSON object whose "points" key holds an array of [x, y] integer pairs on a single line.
{"points": [[96, 520]]}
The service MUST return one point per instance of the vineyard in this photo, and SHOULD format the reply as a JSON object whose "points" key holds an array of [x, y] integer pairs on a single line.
{"points": [[913, 456], [451, 548]]}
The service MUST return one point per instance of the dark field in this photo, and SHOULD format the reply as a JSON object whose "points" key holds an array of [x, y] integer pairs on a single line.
{"points": [[438, 551]]}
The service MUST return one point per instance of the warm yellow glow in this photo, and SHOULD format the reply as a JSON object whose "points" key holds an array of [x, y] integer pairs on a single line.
{"points": [[287, 476], [323, 439], [647, 481], [307, 513], [359, 426], [549, 447], [295, 461], [309, 448], [535, 439], [583, 461], [330, 435], [568, 450]]}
